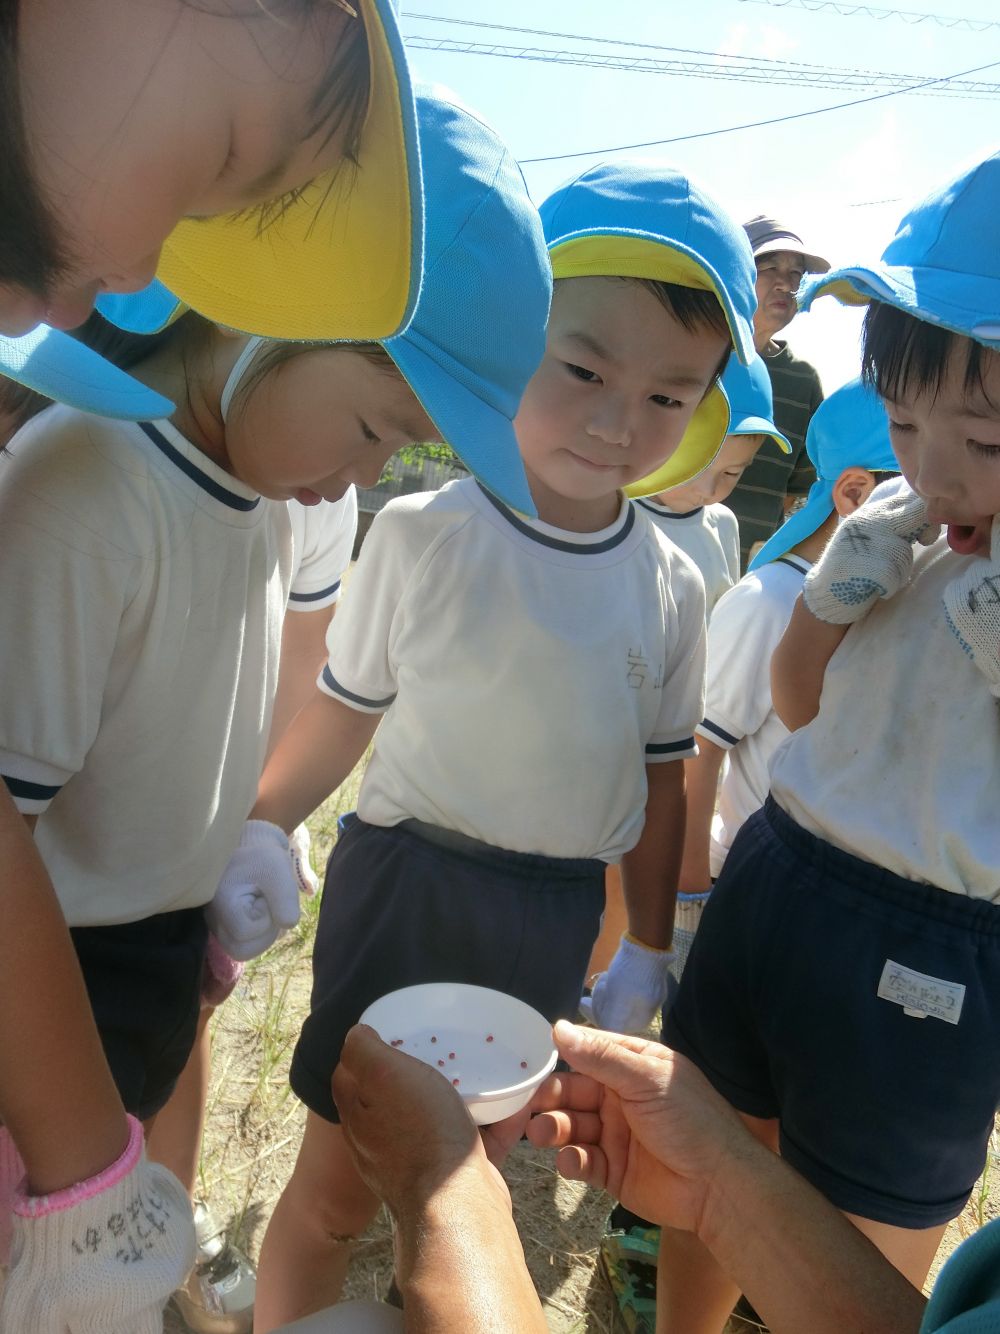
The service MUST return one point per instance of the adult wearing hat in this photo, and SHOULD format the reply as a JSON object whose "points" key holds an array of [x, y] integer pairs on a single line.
{"points": [[774, 479]]}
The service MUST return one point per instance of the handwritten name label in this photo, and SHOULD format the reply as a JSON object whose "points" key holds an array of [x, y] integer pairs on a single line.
{"points": [[921, 995]]}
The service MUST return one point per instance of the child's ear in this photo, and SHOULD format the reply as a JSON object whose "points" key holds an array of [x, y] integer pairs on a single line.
{"points": [[851, 489]]}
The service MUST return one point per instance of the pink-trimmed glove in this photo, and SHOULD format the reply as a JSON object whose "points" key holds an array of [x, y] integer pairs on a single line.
{"points": [[101, 1257], [972, 606], [633, 990], [870, 556], [258, 895]]}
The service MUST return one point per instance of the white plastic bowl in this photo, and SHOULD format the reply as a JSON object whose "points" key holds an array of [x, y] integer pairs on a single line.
{"points": [[494, 1049]]}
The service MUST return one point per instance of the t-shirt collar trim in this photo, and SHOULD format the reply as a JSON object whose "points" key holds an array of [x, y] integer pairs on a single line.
{"points": [[545, 534], [226, 496]]}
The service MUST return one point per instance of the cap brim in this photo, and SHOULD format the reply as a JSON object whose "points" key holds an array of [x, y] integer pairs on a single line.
{"points": [[52, 363], [699, 445], [798, 526], [635, 254], [759, 426], [814, 263], [482, 437], [965, 303], [344, 260], [142, 312]]}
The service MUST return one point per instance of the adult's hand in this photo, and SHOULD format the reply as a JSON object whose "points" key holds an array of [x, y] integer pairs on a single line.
{"points": [[459, 1262], [637, 1120], [409, 1130]]}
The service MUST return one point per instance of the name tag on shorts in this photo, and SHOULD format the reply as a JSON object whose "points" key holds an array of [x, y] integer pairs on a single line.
{"points": [[921, 995]]}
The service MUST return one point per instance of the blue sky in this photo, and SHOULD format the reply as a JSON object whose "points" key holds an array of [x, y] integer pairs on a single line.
{"points": [[820, 173]]}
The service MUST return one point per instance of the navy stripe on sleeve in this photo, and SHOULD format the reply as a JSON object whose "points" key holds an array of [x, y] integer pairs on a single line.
{"points": [[670, 747], [331, 681], [20, 787], [314, 597], [723, 736]]}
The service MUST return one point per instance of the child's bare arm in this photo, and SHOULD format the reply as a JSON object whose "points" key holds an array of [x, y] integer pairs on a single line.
{"points": [[303, 653], [317, 752], [625, 998], [650, 871], [799, 665], [57, 1097], [701, 776]]}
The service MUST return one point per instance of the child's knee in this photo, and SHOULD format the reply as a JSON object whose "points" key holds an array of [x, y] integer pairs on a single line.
{"points": [[325, 1189]]}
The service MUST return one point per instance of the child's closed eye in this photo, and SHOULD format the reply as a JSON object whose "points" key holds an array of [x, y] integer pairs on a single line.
{"points": [[665, 401], [987, 451]]}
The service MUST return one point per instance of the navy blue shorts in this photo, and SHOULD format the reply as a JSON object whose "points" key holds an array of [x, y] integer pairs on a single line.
{"points": [[144, 982], [412, 904], [887, 1112]]}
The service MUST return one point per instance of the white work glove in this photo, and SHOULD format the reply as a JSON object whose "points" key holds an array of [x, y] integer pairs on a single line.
{"points": [[972, 606], [870, 556], [101, 1257], [258, 895], [632, 991], [299, 845]]}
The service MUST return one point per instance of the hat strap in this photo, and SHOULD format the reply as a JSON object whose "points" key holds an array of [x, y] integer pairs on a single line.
{"points": [[237, 373]]}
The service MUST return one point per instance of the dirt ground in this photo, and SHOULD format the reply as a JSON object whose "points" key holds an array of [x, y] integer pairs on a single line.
{"points": [[254, 1125]]}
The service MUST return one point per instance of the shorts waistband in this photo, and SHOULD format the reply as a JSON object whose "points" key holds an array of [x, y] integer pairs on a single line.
{"points": [[929, 901], [529, 865]]}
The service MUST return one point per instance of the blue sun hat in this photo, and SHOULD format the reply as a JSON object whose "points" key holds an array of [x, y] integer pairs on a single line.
{"points": [[630, 218], [144, 312], [943, 264], [751, 401], [53, 363], [478, 334], [849, 429]]}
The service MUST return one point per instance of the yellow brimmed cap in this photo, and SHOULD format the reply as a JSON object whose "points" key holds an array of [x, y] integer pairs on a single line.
{"points": [[344, 261]]}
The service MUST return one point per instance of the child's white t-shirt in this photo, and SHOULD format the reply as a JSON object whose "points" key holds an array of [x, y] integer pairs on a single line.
{"points": [[710, 536], [901, 766], [529, 674], [743, 633], [322, 545], [142, 594]]}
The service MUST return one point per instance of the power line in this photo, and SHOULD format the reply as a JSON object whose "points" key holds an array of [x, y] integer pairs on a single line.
{"points": [[875, 12], [749, 125], [755, 71]]}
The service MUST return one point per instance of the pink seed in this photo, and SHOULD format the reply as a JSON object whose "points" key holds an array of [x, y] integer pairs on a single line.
{"points": [[440, 1062], [489, 1037], [433, 1039], [524, 1065], [451, 1056], [455, 1082]]}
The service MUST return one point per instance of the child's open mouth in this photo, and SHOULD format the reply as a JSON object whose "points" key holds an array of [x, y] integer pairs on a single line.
{"points": [[967, 539]]}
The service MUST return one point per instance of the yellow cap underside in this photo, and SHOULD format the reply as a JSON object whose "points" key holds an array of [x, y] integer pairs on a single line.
{"points": [[336, 264], [701, 442], [844, 291], [628, 257]]}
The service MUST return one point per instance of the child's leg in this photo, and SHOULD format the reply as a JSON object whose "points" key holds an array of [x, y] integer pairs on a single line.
{"points": [[613, 924], [175, 1139], [307, 1247], [693, 1295], [911, 1250]]}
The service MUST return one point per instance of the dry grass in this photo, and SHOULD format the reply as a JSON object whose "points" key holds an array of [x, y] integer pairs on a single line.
{"points": [[255, 1123]]}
